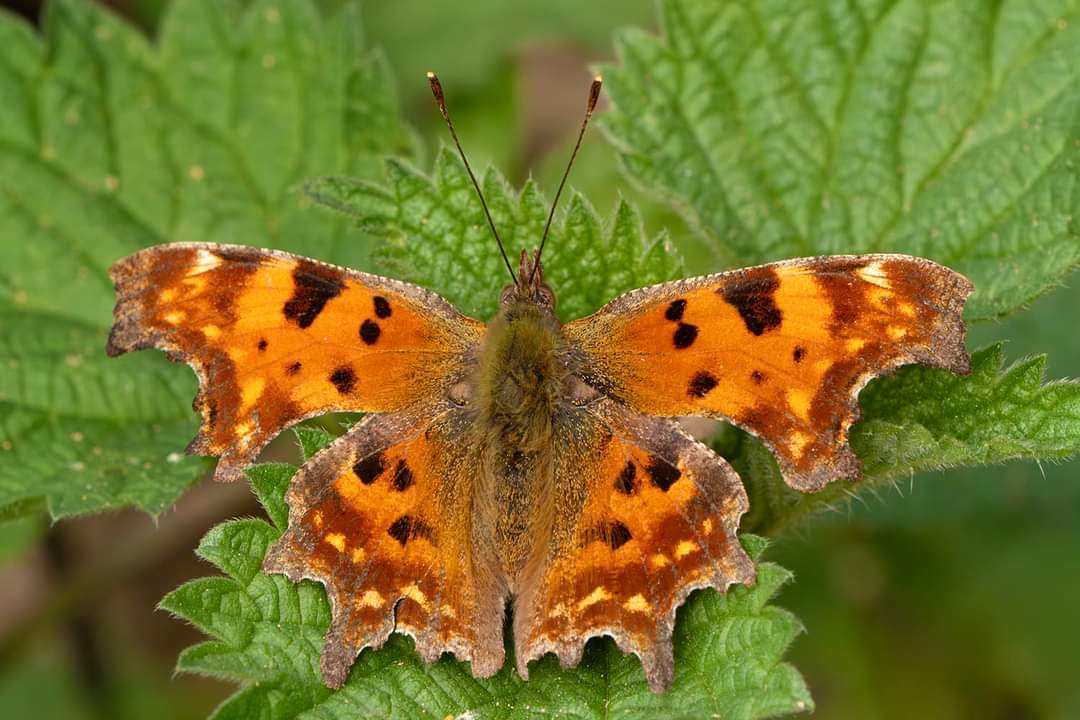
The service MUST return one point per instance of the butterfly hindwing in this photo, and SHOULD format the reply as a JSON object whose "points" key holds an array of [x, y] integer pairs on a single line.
{"points": [[644, 515], [781, 350], [276, 338], [383, 519]]}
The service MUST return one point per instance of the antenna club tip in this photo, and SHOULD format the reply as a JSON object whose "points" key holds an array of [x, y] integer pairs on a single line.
{"points": [[430, 75], [598, 79]]}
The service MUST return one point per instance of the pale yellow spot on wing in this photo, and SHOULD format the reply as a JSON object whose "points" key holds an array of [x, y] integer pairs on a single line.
{"points": [[448, 611], [167, 295], [798, 441], [414, 593], [875, 274], [684, 548], [205, 261], [252, 391], [659, 560], [243, 433], [905, 308], [212, 332], [558, 611], [337, 540], [372, 599], [598, 595], [317, 518], [799, 400], [358, 555], [854, 345], [175, 317], [637, 603], [895, 332], [707, 526]]}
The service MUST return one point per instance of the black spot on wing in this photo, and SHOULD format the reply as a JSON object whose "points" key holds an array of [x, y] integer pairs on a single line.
{"points": [[344, 379], [369, 468], [369, 332], [315, 286], [618, 535], [407, 527], [625, 482], [403, 477], [701, 384], [685, 335], [752, 296], [382, 307], [263, 344], [615, 534], [675, 310], [293, 368], [662, 473], [798, 354], [758, 377]]}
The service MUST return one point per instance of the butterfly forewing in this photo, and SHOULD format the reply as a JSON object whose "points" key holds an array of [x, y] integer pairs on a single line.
{"points": [[276, 338], [781, 350]]}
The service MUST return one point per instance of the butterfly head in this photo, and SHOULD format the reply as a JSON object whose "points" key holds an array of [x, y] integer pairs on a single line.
{"points": [[529, 286]]}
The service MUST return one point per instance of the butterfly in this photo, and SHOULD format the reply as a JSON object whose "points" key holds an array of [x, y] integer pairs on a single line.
{"points": [[525, 460]]}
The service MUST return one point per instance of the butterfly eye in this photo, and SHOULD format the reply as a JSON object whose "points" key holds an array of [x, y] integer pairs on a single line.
{"points": [[546, 296], [460, 394], [507, 294]]}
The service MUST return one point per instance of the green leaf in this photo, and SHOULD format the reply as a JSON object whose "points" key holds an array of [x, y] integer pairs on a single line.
{"points": [[267, 634], [311, 439], [949, 130], [437, 236], [925, 419], [110, 143]]}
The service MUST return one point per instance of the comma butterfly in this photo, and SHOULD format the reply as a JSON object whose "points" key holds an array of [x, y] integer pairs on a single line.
{"points": [[524, 458]]}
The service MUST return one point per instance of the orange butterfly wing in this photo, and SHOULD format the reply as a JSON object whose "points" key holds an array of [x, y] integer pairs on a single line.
{"points": [[644, 515], [276, 338], [781, 350], [383, 518]]}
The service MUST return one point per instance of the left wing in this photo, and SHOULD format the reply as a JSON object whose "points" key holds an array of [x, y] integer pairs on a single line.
{"points": [[384, 519], [781, 350], [275, 338]]}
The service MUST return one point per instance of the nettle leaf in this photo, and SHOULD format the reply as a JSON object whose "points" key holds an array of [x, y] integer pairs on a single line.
{"points": [[924, 419], [949, 130], [109, 143], [268, 633], [436, 235]]}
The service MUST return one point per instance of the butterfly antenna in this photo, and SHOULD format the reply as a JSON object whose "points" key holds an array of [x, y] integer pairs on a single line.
{"points": [[440, 100], [594, 95]]}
